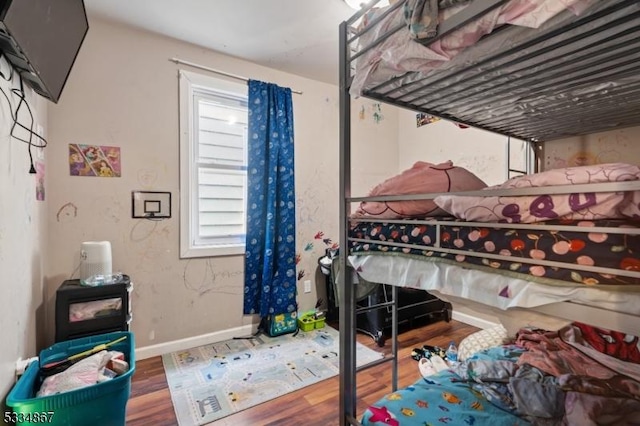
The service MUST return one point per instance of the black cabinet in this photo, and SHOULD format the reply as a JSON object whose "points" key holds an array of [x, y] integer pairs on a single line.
{"points": [[413, 304], [85, 311]]}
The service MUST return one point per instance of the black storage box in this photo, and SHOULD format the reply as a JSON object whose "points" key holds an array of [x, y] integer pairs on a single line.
{"points": [[413, 304], [71, 297]]}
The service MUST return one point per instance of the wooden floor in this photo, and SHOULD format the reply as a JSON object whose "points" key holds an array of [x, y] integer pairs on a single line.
{"points": [[150, 402]]}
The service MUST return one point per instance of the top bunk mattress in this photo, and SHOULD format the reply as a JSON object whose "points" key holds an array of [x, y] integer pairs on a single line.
{"points": [[559, 253], [519, 70], [413, 43]]}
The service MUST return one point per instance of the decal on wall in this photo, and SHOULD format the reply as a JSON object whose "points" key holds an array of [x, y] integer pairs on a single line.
{"points": [[327, 241], [94, 160], [377, 113], [39, 181], [309, 247], [375, 109], [424, 119]]}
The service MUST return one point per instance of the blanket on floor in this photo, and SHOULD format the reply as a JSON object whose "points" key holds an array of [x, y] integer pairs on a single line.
{"points": [[545, 378]]}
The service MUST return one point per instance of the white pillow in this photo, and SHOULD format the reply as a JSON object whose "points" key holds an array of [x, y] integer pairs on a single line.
{"points": [[483, 339]]}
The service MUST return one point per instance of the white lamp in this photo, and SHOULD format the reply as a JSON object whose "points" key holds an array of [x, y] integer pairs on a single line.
{"points": [[357, 4]]}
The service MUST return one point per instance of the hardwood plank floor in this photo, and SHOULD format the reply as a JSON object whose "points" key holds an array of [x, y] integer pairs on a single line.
{"points": [[150, 401]]}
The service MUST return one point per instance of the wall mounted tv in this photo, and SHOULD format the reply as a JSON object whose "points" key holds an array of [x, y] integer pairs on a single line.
{"points": [[41, 39]]}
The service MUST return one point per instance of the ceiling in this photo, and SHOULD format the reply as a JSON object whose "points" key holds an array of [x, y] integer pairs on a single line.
{"points": [[295, 36]]}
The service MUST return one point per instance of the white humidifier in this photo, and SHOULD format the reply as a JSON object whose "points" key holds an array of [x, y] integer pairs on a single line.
{"points": [[95, 262]]}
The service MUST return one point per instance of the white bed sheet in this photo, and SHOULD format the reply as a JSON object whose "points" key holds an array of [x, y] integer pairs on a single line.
{"points": [[454, 282]]}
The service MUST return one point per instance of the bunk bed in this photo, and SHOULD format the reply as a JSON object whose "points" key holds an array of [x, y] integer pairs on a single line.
{"points": [[571, 72]]}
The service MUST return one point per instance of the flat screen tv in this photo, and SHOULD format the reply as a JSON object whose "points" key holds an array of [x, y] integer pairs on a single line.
{"points": [[41, 39]]}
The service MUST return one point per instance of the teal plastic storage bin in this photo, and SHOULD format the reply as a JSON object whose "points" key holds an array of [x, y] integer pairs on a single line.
{"points": [[102, 404]]}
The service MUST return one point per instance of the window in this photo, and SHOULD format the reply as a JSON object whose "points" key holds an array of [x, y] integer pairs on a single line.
{"points": [[213, 161]]}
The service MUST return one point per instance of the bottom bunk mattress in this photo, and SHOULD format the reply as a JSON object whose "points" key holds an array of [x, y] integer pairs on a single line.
{"points": [[544, 378]]}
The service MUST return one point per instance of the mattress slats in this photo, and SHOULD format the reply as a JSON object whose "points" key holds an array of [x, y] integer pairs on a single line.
{"points": [[582, 77]]}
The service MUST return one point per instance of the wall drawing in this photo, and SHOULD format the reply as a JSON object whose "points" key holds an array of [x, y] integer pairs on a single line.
{"points": [[606, 147], [110, 208], [483, 165], [67, 213], [147, 178], [142, 230], [203, 277], [149, 242]]}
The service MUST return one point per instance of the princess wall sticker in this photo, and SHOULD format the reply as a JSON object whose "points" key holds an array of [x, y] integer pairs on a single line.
{"points": [[94, 160]]}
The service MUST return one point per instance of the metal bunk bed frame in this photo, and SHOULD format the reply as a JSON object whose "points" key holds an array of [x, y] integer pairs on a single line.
{"points": [[560, 117]]}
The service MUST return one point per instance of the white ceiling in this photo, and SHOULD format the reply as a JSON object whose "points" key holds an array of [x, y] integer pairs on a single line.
{"points": [[296, 36]]}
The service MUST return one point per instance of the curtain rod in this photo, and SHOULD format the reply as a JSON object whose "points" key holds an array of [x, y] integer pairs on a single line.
{"points": [[215, 71]]}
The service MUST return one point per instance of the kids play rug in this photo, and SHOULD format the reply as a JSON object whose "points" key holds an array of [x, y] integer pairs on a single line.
{"points": [[213, 381]]}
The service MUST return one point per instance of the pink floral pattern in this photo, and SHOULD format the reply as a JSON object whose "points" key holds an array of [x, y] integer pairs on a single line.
{"points": [[539, 208]]}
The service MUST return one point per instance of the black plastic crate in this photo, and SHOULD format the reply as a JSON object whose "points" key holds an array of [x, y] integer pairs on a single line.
{"points": [[71, 292]]}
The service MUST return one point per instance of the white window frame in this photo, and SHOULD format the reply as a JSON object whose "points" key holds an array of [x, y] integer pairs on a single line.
{"points": [[189, 84]]}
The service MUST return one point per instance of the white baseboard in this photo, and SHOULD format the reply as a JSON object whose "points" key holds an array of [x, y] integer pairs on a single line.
{"points": [[247, 330], [192, 342], [471, 320]]}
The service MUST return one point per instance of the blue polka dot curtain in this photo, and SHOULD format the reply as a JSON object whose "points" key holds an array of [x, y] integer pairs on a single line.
{"points": [[270, 266]]}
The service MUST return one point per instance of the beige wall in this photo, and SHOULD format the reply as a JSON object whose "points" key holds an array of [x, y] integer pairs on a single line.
{"points": [[22, 240], [479, 151], [124, 92], [606, 147], [374, 152]]}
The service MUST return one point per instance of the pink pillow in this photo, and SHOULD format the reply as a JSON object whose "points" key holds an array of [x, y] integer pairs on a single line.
{"points": [[421, 178], [538, 208]]}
